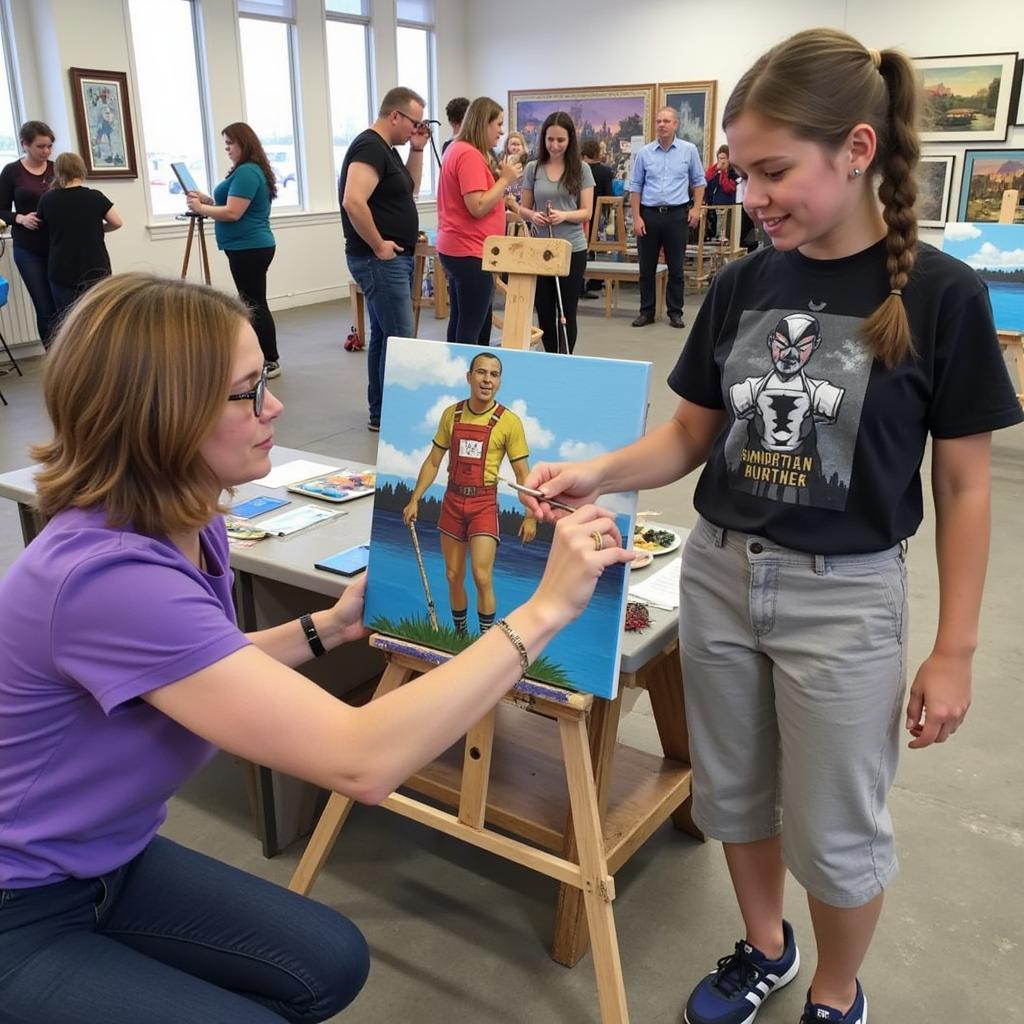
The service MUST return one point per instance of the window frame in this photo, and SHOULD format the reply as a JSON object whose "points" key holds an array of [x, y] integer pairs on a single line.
{"points": [[430, 29], [366, 20], [296, 86]]}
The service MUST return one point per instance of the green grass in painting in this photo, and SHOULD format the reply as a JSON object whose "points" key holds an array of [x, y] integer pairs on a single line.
{"points": [[420, 631]]}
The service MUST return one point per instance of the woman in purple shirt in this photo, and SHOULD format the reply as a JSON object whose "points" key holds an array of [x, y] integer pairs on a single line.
{"points": [[22, 184], [122, 671]]}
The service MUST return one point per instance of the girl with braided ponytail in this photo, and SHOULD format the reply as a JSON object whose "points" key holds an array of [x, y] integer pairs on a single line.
{"points": [[809, 385]]}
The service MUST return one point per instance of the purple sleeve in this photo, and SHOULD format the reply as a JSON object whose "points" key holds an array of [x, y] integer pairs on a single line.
{"points": [[129, 621]]}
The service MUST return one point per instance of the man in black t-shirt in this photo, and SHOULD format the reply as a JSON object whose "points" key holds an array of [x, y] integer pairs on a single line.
{"points": [[378, 215], [590, 150]]}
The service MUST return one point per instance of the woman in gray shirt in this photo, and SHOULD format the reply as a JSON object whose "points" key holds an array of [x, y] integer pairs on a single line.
{"points": [[558, 198]]}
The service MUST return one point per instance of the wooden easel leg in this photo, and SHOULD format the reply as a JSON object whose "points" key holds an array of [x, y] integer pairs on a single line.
{"points": [[327, 828], [599, 887], [663, 679], [417, 292], [188, 247], [571, 938], [476, 771], [203, 255]]}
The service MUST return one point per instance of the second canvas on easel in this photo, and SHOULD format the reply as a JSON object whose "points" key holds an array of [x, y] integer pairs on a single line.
{"points": [[451, 547]]}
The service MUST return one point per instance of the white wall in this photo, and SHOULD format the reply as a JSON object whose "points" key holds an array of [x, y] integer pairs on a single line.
{"points": [[54, 35], [603, 42]]}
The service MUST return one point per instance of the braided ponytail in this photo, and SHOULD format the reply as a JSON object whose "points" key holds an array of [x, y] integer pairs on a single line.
{"points": [[887, 330], [820, 84]]}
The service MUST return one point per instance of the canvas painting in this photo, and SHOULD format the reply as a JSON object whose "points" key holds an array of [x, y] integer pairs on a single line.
{"points": [[934, 180], [996, 252], [966, 98], [103, 120], [450, 540], [988, 173], [612, 115], [694, 102]]}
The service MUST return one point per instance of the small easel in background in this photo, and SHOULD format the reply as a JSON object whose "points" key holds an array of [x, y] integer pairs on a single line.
{"points": [[1012, 342], [204, 259], [608, 226]]}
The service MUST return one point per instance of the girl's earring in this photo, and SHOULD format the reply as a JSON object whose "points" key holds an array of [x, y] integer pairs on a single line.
{"points": [[856, 172]]}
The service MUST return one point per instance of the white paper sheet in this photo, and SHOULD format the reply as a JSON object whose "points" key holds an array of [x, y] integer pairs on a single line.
{"points": [[296, 519], [661, 589], [294, 471]]}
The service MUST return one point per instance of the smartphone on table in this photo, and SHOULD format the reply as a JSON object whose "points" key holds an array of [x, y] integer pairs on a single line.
{"points": [[349, 562]]}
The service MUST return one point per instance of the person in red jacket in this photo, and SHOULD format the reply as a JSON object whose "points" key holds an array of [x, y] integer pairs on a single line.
{"points": [[721, 178]]}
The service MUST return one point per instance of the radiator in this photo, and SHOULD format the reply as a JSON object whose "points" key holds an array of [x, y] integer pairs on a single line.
{"points": [[18, 317]]}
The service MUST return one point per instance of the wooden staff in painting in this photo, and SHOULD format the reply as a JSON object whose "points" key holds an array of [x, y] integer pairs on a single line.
{"points": [[431, 612]]}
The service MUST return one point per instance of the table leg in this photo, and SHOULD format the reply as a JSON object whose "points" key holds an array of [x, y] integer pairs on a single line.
{"points": [[663, 679], [356, 308], [571, 937], [440, 291]]}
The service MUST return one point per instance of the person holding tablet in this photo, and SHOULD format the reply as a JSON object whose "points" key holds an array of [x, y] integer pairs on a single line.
{"points": [[122, 670], [240, 210]]}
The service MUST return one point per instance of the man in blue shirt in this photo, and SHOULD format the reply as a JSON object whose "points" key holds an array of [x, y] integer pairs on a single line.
{"points": [[667, 175]]}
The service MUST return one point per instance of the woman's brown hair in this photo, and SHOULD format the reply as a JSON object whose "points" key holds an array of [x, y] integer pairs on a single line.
{"points": [[522, 157], [482, 112], [31, 130], [67, 167], [820, 84], [137, 376], [572, 171], [249, 143]]}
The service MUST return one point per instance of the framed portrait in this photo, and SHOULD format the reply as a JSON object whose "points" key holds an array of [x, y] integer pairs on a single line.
{"points": [[611, 114], [103, 118], [694, 102], [966, 98], [988, 173], [934, 183]]}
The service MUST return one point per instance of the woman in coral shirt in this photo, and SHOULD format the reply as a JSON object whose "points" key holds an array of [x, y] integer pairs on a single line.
{"points": [[470, 206]]}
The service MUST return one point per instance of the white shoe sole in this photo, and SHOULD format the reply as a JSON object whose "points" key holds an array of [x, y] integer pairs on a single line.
{"points": [[783, 981]]}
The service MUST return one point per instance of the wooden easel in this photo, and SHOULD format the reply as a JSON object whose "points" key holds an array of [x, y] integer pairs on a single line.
{"points": [[492, 784], [204, 259], [609, 220], [1012, 342]]}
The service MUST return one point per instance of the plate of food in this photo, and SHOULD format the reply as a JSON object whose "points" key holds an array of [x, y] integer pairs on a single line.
{"points": [[655, 539], [642, 560]]}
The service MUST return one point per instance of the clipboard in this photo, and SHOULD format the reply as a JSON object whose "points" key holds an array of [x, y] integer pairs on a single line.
{"points": [[184, 176]]}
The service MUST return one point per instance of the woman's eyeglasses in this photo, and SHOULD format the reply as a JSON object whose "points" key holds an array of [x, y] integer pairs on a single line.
{"points": [[256, 394]]}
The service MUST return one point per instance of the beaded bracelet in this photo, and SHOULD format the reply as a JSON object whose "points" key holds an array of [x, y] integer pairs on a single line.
{"points": [[517, 643]]}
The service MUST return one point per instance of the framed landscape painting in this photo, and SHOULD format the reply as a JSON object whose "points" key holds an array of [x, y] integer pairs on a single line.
{"points": [[967, 98], [934, 183], [988, 173], [694, 102], [104, 122], [611, 114], [996, 252], [1018, 117], [450, 538]]}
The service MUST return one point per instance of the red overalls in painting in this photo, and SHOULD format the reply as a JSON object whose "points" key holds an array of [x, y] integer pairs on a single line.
{"points": [[469, 507]]}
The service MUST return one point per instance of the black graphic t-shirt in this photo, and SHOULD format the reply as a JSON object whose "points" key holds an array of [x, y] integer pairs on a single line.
{"points": [[823, 445]]}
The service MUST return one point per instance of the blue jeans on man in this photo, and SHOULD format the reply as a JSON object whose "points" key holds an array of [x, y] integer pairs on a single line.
{"points": [[387, 288]]}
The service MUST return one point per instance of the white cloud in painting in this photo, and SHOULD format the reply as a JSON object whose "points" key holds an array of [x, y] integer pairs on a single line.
{"points": [[393, 462], [538, 437], [577, 451], [430, 421], [962, 232], [991, 257], [416, 364]]}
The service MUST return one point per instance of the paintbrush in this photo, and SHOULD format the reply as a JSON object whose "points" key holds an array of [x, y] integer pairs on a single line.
{"points": [[539, 495]]}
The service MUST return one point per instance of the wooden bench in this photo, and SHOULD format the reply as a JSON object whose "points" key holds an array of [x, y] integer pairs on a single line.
{"points": [[613, 272]]}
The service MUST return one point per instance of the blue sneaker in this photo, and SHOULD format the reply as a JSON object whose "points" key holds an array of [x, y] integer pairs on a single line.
{"points": [[735, 990], [815, 1013]]}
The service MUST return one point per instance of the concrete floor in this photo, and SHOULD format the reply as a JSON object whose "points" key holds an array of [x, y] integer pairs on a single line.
{"points": [[458, 934]]}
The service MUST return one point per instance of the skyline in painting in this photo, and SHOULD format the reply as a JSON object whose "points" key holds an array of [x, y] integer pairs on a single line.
{"points": [[553, 398]]}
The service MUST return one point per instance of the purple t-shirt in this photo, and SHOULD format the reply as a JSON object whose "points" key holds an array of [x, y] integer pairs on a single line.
{"points": [[93, 617]]}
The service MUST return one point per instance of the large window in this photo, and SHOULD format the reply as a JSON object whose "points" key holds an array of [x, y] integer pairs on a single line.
{"points": [[415, 41], [348, 67], [268, 70], [10, 146], [167, 72]]}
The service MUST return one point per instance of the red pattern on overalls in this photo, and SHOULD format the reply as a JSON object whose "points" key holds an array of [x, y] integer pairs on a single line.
{"points": [[465, 468]]}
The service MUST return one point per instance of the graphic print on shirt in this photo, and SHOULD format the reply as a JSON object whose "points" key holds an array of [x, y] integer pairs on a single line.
{"points": [[795, 383]]}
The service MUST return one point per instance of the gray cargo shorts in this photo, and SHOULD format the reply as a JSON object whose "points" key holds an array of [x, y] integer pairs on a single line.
{"points": [[794, 674]]}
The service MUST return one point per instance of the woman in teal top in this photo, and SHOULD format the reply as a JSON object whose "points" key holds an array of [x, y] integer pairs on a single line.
{"points": [[240, 210]]}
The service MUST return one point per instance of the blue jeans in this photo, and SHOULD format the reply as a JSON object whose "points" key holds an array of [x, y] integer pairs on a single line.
{"points": [[33, 270], [470, 293], [174, 936], [387, 288]]}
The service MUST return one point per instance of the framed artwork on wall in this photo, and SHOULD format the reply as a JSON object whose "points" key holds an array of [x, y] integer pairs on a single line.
{"points": [[1018, 106], [934, 184], [988, 173], [611, 114], [103, 118], [694, 102], [966, 98]]}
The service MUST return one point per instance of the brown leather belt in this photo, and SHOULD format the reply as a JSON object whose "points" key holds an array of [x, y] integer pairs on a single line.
{"points": [[472, 492]]}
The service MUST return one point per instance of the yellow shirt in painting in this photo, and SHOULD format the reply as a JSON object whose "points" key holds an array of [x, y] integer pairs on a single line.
{"points": [[507, 437]]}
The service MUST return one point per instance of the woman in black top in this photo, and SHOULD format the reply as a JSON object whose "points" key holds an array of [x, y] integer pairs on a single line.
{"points": [[22, 184], [76, 218]]}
